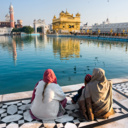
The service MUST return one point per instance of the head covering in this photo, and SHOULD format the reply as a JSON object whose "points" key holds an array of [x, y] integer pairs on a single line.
{"points": [[49, 76], [88, 78], [98, 75]]}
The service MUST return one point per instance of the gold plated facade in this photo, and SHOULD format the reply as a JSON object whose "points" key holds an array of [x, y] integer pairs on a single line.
{"points": [[66, 23]]}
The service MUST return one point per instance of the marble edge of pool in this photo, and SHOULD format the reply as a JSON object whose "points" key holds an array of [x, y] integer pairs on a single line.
{"points": [[28, 94]]}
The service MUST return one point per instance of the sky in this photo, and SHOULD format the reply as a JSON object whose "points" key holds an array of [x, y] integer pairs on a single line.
{"points": [[92, 11]]}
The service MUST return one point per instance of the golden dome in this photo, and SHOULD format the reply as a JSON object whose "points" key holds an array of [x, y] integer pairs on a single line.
{"points": [[78, 14], [54, 17], [67, 12], [62, 13]]}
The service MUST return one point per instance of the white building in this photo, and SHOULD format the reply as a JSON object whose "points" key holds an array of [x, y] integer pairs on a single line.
{"points": [[7, 18], [7, 25], [85, 27], [40, 23], [107, 27], [4, 39], [5, 30]]}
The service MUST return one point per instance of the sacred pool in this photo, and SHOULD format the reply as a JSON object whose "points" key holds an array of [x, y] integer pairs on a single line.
{"points": [[24, 59]]}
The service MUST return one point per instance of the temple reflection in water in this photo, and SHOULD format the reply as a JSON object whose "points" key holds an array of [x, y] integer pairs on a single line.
{"points": [[16, 42], [40, 41], [10, 45], [14, 51], [24, 59], [66, 48], [62, 48]]}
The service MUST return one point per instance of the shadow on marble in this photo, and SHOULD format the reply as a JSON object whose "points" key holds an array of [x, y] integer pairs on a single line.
{"points": [[125, 103], [122, 123]]}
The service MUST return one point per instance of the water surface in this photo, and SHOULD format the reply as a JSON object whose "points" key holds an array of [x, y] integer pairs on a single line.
{"points": [[24, 60]]}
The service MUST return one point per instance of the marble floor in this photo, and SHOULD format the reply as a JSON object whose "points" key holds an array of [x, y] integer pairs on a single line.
{"points": [[15, 113]]}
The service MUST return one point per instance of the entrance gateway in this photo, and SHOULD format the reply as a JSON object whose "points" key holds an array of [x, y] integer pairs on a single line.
{"points": [[40, 23]]}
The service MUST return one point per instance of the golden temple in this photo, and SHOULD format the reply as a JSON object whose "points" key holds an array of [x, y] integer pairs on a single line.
{"points": [[66, 23]]}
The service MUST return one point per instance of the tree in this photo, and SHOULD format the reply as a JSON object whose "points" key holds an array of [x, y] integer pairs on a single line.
{"points": [[27, 29], [15, 30]]}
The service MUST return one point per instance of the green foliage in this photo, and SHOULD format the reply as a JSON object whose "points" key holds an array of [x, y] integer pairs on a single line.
{"points": [[15, 30], [26, 29], [27, 39]]}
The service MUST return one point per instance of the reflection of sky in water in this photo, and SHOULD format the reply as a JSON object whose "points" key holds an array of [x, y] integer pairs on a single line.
{"points": [[23, 60]]}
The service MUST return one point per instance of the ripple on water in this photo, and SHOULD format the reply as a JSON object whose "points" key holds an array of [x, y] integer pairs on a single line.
{"points": [[23, 60]]}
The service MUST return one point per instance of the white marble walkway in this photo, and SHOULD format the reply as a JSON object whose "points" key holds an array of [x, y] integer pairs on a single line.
{"points": [[14, 111]]}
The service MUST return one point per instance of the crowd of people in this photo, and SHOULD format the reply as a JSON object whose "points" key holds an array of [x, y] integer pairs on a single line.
{"points": [[94, 98]]}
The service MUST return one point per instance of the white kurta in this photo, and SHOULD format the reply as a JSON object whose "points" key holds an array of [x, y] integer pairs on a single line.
{"points": [[49, 107]]}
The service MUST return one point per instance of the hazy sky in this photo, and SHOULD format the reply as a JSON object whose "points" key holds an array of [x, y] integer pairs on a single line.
{"points": [[92, 11]]}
